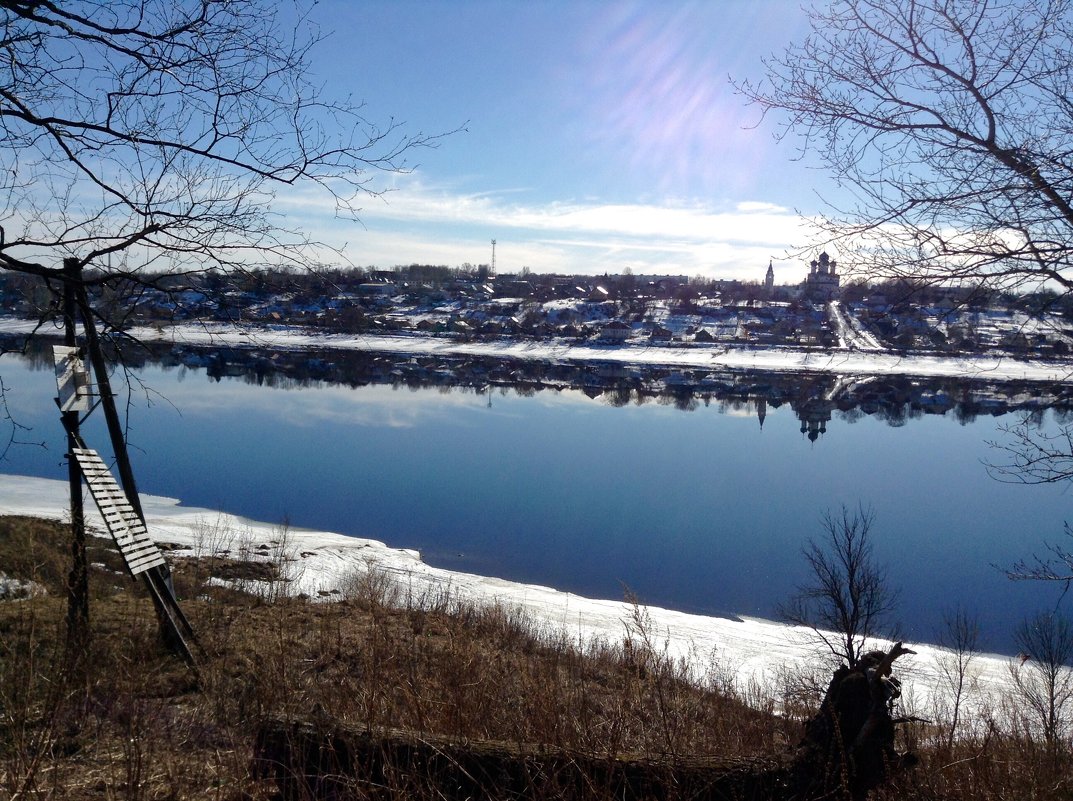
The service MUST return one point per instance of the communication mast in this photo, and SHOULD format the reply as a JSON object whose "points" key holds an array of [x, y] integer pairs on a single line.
{"points": [[492, 270]]}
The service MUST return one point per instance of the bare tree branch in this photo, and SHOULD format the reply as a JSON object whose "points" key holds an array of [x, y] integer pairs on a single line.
{"points": [[1043, 681], [1056, 566], [154, 132], [146, 139], [949, 129], [1033, 455]]}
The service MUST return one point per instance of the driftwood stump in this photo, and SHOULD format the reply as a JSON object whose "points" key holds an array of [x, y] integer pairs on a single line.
{"points": [[847, 749]]}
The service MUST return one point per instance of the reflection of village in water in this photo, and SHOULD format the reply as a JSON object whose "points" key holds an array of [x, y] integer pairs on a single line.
{"points": [[815, 398]]}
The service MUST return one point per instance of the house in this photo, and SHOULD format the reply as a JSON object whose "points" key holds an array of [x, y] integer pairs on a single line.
{"points": [[660, 334], [570, 331], [427, 325], [458, 326], [379, 290], [504, 305], [876, 301], [615, 331]]}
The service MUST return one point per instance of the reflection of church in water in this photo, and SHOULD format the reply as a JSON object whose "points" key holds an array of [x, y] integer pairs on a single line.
{"points": [[817, 399], [815, 402], [814, 414]]}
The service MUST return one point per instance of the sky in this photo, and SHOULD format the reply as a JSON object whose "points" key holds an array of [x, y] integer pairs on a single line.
{"points": [[592, 136]]}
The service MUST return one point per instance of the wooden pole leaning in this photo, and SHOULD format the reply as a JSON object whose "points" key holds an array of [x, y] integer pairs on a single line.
{"points": [[174, 626]]}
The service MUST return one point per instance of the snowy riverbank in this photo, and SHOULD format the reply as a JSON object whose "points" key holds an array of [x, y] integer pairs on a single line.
{"points": [[711, 357], [751, 650]]}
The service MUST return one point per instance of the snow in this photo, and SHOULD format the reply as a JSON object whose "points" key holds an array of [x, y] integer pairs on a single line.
{"points": [[996, 368], [716, 356], [756, 653], [851, 333], [12, 588]]}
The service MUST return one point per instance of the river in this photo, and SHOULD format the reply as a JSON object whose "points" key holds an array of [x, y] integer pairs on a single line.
{"points": [[700, 505]]}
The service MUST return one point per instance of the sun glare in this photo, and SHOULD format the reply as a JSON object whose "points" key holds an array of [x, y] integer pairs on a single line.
{"points": [[652, 86]]}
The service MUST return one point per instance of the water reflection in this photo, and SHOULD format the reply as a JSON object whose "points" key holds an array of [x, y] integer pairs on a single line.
{"points": [[817, 399]]}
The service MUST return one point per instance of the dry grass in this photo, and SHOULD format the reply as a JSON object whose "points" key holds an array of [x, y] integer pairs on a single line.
{"points": [[124, 720]]}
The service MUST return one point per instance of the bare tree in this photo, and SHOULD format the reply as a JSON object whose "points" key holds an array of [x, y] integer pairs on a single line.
{"points": [[143, 140], [1043, 679], [1039, 457], [961, 639], [150, 136], [948, 128], [847, 600]]}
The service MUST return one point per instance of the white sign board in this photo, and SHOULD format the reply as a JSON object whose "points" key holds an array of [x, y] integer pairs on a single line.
{"points": [[72, 379]]}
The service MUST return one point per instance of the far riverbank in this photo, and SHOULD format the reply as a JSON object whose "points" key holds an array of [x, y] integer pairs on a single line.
{"points": [[693, 356]]}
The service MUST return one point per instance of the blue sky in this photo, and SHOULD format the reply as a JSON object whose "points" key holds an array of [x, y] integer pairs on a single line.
{"points": [[598, 135]]}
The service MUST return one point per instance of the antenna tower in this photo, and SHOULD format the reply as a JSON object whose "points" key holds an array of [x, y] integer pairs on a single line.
{"points": [[492, 271]]}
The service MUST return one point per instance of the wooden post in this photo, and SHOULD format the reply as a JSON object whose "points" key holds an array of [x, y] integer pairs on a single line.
{"points": [[78, 579], [173, 623], [107, 401]]}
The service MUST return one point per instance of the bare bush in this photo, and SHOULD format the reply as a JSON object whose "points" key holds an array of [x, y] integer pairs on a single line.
{"points": [[961, 639], [1043, 680], [847, 599], [371, 585]]}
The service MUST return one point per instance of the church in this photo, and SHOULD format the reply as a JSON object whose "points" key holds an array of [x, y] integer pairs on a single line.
{"points": [[822, 281]]}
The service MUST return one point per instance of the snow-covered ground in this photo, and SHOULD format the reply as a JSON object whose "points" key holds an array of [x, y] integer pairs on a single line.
{"points": [[861, 362], [753, 651], [851, 334]]}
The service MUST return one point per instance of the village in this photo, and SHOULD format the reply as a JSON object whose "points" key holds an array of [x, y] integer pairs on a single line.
{"points": [[474, 304]]}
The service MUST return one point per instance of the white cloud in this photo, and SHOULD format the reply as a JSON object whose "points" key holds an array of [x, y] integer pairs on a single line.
{"points": [[417, 223]]}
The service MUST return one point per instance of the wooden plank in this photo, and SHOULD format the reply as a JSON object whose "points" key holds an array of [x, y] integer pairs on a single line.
{"points": [[127, 529]]}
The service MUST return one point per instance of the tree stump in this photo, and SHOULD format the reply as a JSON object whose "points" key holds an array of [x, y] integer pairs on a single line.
{"points": [[848, 746]]}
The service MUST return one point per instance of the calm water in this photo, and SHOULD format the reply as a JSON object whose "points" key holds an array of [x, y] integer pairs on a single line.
{"points": [[702, 511]]}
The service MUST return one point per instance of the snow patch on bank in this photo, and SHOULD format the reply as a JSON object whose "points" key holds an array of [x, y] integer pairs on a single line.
{"points": [[754, 652]]}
